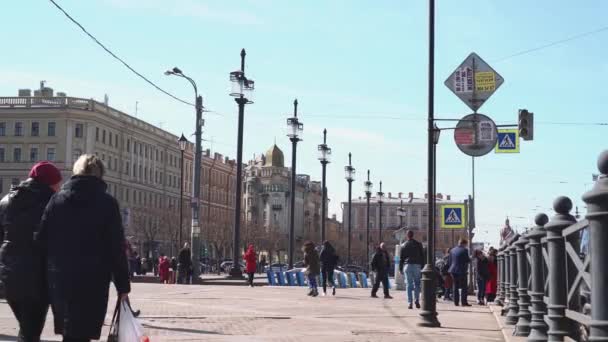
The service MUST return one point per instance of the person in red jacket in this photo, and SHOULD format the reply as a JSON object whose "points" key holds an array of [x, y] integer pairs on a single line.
{"points": [[491, 285], [163, 269], [250, 263]]}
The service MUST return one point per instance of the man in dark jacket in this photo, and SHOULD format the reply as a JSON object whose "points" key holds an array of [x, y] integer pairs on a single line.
{"points": [[82, 235], [184, 264], [459, 265], [380, 264], [329, 260], [412, 255], [21, 264], [482, 275]]}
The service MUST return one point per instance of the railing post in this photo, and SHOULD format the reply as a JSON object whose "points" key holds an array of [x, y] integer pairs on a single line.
{"points": [[597, 214], [522, 328], [538, 327], [513, 314], [558, 282], [500, 296], [507, 283]]}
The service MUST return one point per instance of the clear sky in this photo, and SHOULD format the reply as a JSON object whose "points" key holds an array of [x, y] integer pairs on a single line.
{"points": [[358, 68]]}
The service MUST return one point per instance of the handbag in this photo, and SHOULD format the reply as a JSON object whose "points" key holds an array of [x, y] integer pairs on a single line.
{"points": [[113, 335]]}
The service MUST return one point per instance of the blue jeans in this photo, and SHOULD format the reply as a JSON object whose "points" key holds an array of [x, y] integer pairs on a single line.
{"points": [[312, 281], [412, 277]]}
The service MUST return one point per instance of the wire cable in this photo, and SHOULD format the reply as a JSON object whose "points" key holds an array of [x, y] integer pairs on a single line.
{"points": [[116, 57]]}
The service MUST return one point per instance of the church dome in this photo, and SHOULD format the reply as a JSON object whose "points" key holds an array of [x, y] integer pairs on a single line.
{"points": [[274, 157]]}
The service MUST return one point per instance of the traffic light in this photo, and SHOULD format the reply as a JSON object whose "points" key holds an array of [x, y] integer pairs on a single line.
{"points": [[526, 124]]}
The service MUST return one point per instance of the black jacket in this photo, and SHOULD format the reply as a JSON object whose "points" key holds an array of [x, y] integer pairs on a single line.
{"points": [[84, 241], [184, 258], [381, 261], [459, 260], [412, 253], [328, 257], [482, 269], [21, 263]]}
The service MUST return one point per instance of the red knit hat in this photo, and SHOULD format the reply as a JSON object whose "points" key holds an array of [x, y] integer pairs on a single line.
{"points": [[46, 173]]}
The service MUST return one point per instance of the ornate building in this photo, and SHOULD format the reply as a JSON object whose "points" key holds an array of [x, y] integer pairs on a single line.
{"points": [[267, 203]]}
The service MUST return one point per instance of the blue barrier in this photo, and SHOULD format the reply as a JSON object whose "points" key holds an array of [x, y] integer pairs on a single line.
{"points": [[270, 277], [363, 278], [291, 278], [281, 278], [342, 279], [353, 279], [301, 279]]}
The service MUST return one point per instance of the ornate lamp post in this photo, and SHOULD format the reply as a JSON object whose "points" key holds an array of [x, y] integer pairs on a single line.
{"points": [[380, 199], [295, 132], [242, 89], [324, 158], [195, 229], [368, 195], [349, 171], [182, 142]]}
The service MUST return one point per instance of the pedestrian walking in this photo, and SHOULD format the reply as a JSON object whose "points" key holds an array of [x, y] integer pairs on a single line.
{"points": [[459, 266], [311, 262], [83, 241], [164, 266], [184, 264], [410, 263], [250, 258], [380, 265], [21, 263], [329, 260], [446, 276], [481, 275], [492, 282]]}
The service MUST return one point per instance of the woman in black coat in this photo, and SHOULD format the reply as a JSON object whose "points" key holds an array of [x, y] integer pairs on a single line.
{"points": [[84, 242], [21, 264], [329, 260]]}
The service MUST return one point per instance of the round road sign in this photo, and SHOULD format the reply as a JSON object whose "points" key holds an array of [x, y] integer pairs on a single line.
{"points": [[475, 135]]}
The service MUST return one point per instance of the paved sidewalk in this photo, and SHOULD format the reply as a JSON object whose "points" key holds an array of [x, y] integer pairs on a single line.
{"points": [[236, 313]]}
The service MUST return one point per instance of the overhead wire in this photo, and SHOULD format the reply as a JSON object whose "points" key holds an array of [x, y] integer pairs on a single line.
{"points": [[116, 57]]}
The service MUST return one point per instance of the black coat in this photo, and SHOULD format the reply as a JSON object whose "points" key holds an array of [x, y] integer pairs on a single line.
{"points": [[328, 257], [412, 252], [184, 258], [84, 241], [381, 261], [21, 264], [482, 269]]}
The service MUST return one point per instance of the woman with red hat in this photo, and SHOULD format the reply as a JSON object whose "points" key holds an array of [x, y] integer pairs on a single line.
{"points": [[21, 264]]}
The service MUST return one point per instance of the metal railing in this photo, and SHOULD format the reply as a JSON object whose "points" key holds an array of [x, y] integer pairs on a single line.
{"points": [[548, 285]]}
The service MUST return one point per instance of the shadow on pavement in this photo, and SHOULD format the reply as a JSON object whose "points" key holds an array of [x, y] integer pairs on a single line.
{"points": [[184, 330], [7, 338]]}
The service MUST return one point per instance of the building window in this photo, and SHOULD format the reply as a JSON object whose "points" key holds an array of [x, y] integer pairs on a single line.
{"points": [[35, 129], [156, 155], [51, 129], [103, 137], [78, 130], [34, 154], [116, 140], [18, 129], [110, 138], [1, 186], [146, 151], [115, 164], [2, 129], [50, 154], [127, 168], [109, 163], [17, 154], [76, 154], [141, 150], [96, 133], [127, 191], [1, 154], [128, 145]]}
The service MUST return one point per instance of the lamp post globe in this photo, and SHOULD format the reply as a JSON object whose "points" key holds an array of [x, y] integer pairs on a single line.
{"points": [[380, 198]]}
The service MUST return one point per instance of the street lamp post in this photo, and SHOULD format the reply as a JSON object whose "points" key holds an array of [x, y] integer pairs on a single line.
{"points": [[349, 171], [380, 195], [324, 158], [368, 195], [295, 132], [241, 90], [182, 147], [428, 314], [195, 228], [401, 213]]}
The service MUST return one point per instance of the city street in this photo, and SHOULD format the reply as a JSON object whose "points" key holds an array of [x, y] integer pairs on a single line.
{"points": [[238, 313]]}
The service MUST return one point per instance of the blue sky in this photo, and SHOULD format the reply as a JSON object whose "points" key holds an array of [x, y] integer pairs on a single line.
{"points": [[343, 59]]}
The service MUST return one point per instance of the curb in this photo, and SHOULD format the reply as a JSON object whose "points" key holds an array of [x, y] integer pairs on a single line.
{"points": [[506, 330]]}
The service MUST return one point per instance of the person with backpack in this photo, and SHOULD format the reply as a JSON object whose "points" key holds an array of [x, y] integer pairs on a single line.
{"points": [[329, 260]]}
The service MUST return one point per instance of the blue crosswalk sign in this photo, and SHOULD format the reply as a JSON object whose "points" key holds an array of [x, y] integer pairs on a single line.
{"points": [[453, 216], [508, 141]]}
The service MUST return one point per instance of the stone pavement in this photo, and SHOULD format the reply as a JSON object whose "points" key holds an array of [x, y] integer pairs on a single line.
{"points": [[238, 313]]}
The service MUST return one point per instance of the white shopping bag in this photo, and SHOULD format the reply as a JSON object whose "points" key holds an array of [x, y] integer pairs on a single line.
{"points": [[129, 329]]}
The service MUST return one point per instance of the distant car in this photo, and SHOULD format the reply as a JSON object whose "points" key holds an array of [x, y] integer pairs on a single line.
{"points": [[276, 268], [227, 265], [352, 268]]}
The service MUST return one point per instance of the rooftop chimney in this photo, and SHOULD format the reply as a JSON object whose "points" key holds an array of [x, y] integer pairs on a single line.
{"points": [[426, 196], [440, 196], [448, 197], [410, 195], [400, 194], [390, 195]]}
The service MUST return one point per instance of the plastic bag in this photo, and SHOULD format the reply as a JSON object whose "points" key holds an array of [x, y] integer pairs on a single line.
{"points": [[129, 328]]}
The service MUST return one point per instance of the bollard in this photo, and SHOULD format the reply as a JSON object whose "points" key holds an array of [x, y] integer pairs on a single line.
{"points": [[538, 327], [499, 292], [597, 214], [353, 279], [301, 279], [522, 328], [363, 280], [506, 284], [271, 279], [556, 248], [513, 314]]}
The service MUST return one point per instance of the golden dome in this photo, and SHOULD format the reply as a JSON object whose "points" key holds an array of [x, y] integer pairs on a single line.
{"points": [[274, 157]]}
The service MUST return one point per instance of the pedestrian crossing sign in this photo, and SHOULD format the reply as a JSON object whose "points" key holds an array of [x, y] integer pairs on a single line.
{"points": [[453, 216], [508, 141]]}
